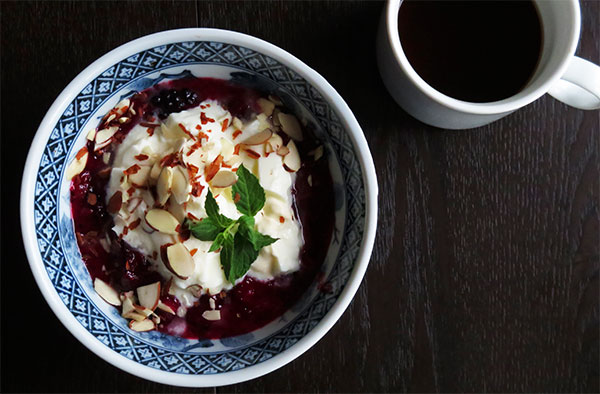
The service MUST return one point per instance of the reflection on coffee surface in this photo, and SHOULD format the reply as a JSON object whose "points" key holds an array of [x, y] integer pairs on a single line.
{"points": [[478, 51]]}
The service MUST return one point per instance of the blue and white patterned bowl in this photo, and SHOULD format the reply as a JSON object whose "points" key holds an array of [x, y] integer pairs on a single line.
{"points": [[48, 230]]}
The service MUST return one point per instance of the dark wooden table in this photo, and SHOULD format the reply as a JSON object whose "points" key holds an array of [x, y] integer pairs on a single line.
{"points": [[484, 275]]}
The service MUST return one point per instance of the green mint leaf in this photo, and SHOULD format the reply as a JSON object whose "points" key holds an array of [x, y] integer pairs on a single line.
{"points": [[206, 229], [244, 255], [210, 205], [218, 242], [212, 210], [258, 240], [251, 195], [226, 257], [261, 240]]}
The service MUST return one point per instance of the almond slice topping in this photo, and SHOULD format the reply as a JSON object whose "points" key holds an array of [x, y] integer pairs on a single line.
{"points": [[180, 187], [105, 135], [106, 292], [275, 142], [196, 290], [290, 126], [176, 210], [141, 326], [163, 185], [140, 178], [142, 310], [163, 221], [291, 161], [91, 135], [155, 171], [258, 138], [317, 153], [127, 300], [180, 260], [266, 106], [78, 164], [224, 179], [283, 150], [149, 295], [133, 315], [164, 307], [275, 100], [211, 315]]}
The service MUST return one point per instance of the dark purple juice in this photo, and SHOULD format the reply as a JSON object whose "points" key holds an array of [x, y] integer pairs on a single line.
{"points": [[252, 303]]}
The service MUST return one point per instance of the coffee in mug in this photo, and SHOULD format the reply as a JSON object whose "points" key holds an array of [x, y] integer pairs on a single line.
{"points": [[477, 51]]}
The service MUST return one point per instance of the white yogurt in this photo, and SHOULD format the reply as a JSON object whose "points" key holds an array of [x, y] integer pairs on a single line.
{"points": [[216, 136]]}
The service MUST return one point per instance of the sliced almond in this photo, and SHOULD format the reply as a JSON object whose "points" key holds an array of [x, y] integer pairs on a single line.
{"points": [[134, 315], [163, 185], [212, 315], [275, 117], [163, 221], [317, 153], [266, 106], [176, 210], [275, 141], [133, 204], [237, 123], [291, 161], [263, 122], [140, 178], [268, 148], [115, 202], [283, 150], [148, 295], [275, 100], [235, 160], [155, 319], [127, 302], [180, 261], [122, 106], [78, 164], [103, 136], [141, 326], [211, 303], [146, 227], [196, 290], [142, 310], [91, 135], [227, 148], [164, 307], [258, 138], [290, 126], [180, 187], [155, 171], [106, 292], [224, 178]]}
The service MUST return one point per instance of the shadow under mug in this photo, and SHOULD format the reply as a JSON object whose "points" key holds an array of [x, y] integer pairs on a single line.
{"points": [[566, 77]]}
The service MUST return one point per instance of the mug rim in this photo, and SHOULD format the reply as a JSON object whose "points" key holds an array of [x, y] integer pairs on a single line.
{"points": [[509, 104]]}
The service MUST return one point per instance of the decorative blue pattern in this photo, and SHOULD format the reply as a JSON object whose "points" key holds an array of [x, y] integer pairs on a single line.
{"points": [[174, 354]]}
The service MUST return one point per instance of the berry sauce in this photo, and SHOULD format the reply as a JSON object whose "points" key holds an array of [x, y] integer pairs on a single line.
{"points": [[250, 304]]}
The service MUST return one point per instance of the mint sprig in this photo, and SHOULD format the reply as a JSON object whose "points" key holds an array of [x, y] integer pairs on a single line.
{"points": [[238, 240]]}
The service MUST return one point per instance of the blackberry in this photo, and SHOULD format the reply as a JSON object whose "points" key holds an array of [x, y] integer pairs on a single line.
{"points": [[171, 100]]}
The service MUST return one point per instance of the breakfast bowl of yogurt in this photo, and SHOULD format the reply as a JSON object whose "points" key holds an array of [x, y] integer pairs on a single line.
{"points": [[199, 207]]}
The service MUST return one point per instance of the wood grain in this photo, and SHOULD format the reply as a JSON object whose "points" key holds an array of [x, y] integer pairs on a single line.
{"points": [[485, 271]]}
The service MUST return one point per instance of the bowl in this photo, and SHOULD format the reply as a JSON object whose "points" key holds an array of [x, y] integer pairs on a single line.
{"points": [[48, 229]]}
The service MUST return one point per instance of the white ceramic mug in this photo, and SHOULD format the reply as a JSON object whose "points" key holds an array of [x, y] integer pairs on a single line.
{"points": [[566, 77]]}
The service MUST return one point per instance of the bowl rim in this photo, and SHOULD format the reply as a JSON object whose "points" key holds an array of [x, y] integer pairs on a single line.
{"points": [[31, 169]]}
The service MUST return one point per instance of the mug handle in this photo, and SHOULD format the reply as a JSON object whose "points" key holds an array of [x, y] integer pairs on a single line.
{"points": [[579, 86]]}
